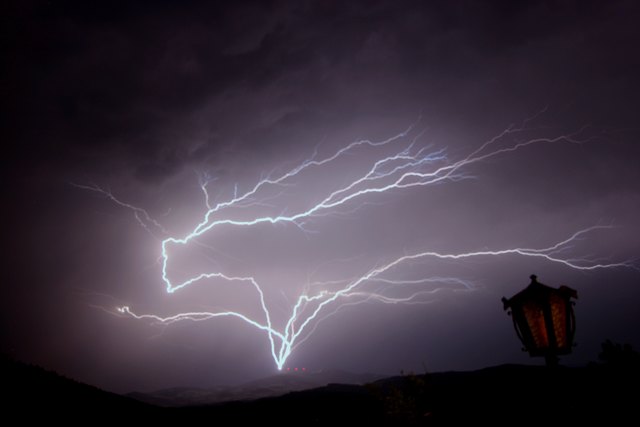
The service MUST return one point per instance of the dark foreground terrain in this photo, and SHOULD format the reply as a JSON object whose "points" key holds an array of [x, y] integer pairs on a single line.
{"points": [[502, 395]]}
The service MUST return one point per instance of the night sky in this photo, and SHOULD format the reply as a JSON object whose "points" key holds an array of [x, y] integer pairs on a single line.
{"points": [[150, 100]]}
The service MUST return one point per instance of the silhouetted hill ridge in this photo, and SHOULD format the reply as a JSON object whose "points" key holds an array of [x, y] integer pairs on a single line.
{"points": [[33, 391], [501, 395], [275, 385]]}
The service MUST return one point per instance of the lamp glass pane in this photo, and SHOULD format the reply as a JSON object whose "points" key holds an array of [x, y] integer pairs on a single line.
{"points": [[535, 319]]}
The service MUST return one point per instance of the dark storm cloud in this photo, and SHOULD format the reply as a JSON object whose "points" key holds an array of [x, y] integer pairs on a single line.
{"points": [[131, 75], [133, 95]]}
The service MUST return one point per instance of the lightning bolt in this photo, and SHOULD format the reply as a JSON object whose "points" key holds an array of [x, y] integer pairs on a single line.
{"points": [[408, 166]]}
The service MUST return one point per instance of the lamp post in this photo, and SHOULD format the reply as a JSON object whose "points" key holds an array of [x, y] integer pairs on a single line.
{"points": [[544, 320]]}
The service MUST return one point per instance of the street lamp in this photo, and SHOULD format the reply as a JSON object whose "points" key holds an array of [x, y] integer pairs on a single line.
{"points": [[544, 320]]}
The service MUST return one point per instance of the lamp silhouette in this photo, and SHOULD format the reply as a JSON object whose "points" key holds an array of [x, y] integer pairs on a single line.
{"points": [[544, 320]]}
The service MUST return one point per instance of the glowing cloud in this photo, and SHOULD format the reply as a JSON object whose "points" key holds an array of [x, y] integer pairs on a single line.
{"points": [[407, 166]]}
